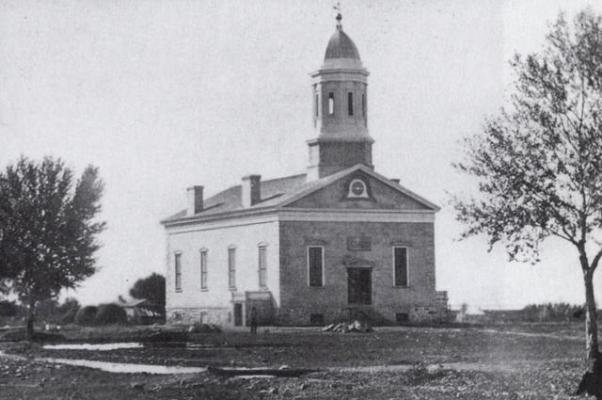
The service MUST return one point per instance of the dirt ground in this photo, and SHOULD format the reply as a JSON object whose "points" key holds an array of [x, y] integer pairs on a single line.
{"points": [[519, 362]]}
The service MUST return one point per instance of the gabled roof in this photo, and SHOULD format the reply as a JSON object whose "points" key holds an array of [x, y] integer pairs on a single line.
{"points": [[280, 192]]}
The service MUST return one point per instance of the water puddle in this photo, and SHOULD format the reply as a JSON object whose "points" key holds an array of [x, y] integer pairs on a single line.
{"points": [[125, 368], [93, 347]]}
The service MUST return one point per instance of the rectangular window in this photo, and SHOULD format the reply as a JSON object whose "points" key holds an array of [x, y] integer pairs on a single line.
{"points": [[178, 271], [364, 105], [330, 103], [203, 269], [263, 267], [317, 106], [400, 263], [315, 261], [350, 103], [232, 268]]}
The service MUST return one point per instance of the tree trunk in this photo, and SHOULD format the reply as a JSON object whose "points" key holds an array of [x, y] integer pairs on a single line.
{"points": [[30, 320], [591, 323]]}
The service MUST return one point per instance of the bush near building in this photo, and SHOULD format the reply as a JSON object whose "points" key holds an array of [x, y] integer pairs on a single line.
{"points": [[86, 315], [109, 314]]}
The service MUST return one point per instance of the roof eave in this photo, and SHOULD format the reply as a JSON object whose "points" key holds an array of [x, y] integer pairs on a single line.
{"points": [[218, 216]]}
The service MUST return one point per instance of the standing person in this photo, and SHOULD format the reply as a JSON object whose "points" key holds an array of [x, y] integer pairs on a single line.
{"points": [[253, 320]]}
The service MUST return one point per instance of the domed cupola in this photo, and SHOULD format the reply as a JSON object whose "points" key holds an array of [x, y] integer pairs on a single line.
{"points": [[340, 113], [341, 51], [341, 46]]}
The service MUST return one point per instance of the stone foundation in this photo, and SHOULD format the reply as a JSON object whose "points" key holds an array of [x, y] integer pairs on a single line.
{"points": [[192, 315]]}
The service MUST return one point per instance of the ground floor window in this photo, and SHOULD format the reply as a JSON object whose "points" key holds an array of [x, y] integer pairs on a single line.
{"points": [[400, 266], [178, 271], [263, 266], [232, 268], [315, 263], [203, 269]]}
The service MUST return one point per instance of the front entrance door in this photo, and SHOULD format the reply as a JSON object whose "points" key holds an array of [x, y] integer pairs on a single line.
{"points": [[237, 314], [359, 285]]}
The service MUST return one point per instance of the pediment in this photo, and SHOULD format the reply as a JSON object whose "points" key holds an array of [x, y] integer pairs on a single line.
{"points": [[361, 188]]}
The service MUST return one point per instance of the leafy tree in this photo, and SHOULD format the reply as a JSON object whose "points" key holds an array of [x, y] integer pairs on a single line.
{"points": [[49, 229], [151, 288], [538, 163]]}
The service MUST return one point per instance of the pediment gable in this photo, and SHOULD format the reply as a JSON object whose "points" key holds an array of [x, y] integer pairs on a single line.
{"points": [[361, 188]]}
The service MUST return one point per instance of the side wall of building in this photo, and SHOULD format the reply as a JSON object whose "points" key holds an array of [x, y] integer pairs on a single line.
{"points": [[299, 300], [215, 304]]}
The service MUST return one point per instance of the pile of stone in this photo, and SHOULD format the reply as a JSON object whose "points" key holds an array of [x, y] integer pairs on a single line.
{"points": [[204, 328], [343, 327]]}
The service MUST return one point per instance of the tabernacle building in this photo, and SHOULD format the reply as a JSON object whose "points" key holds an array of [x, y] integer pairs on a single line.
{"points": [[336, 241]]}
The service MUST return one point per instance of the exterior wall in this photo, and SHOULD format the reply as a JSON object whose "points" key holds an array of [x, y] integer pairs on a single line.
{"points": [[216, 302], [299, 300], [329, 157]]}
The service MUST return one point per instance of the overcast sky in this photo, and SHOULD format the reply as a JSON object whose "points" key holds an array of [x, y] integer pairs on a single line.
{"points": [[165, 94]]}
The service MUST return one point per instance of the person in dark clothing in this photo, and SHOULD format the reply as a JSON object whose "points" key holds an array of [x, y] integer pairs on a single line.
{"points": [[253, 320]]}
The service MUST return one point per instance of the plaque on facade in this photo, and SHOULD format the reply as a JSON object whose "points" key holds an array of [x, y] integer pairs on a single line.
{"points": [[359, 243]]}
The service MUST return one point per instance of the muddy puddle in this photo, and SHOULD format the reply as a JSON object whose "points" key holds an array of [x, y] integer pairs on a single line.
{"points": [[125, 368], [93, 346]]}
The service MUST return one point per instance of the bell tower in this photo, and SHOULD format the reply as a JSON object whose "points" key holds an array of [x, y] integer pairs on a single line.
{"points": [[340, 109]]}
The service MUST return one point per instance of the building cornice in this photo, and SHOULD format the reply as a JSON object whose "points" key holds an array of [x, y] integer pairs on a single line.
{"points": [[266, 215]]}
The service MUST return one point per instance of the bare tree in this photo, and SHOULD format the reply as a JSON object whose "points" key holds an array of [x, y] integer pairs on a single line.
{"points": [[538, 163], [49, 229]]}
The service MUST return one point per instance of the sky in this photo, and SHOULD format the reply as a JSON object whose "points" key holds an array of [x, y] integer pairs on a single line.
{"points": [[165, 94]]}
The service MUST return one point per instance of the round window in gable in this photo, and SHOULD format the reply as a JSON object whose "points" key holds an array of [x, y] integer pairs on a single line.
{"points": [[357, 189]]}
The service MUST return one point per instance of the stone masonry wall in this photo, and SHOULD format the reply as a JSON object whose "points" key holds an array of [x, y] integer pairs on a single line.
{"points": [[299, 300]]}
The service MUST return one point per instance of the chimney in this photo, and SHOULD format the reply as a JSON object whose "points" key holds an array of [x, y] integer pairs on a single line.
{"points": [[395, 180], [195, 200], [251, 190]]}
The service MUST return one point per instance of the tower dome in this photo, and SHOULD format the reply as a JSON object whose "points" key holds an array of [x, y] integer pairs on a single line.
{"points": [[341, 46], [341, 52]]}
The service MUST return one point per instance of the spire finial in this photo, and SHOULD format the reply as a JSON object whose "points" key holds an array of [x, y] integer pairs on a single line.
{"points": [[339, 16]]}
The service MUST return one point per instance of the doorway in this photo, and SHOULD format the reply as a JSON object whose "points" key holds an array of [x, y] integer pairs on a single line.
{"points": [[359, 286], [237, 314]]}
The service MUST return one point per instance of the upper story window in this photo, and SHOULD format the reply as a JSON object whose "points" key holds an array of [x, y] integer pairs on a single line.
{"points": [[331, 103], [203, 269], [315, 265], [316, 105], [263, 265], [400, 266], [232, 267], [350, 103], [364, 105], [178, 271]]}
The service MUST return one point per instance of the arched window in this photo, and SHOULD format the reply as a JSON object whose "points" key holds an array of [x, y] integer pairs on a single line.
{"points": [[232, 267], [330, 103], [263, 265], [178, 271], [203, 266], [350, 103], [364, 105]]}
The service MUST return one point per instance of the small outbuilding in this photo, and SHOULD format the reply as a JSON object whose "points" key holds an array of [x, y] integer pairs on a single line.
{"points": [[143, 312]]}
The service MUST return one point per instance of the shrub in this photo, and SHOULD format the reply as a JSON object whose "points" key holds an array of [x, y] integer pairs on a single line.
{"points": [[10, 309], [69, 317], [110, 314], [86, 315]]}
